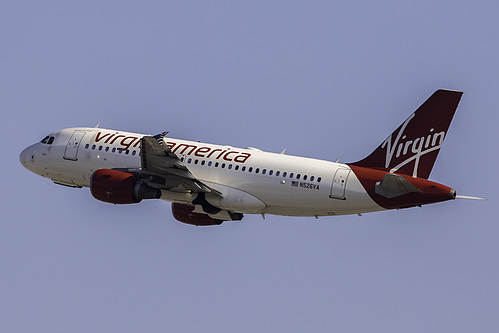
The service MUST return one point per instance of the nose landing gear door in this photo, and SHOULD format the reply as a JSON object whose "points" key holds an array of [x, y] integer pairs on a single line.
{"points": [[71, 152], [339, 184]]}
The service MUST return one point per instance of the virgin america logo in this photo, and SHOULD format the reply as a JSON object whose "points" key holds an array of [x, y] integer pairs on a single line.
{"points": [[178, 148], [414, 149]]}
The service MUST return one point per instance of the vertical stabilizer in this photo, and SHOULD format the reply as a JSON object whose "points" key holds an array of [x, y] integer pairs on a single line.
{"points": [[413, 147]]}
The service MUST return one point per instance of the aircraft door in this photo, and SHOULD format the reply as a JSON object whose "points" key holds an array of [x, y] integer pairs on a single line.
{"points": [[339, 183], [71, 151]]}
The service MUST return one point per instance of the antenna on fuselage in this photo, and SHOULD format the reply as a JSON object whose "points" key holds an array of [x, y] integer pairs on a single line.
{"points": [[97, 125], [283, 151]]}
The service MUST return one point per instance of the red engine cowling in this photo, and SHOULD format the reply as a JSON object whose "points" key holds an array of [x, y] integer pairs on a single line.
{"points": [[184, 213], [120, 187]]}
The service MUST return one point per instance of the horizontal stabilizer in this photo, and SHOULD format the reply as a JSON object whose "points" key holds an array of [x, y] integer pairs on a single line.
{"points": [[392, 186]]}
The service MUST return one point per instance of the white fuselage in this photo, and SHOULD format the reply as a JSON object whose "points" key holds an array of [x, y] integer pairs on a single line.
{"points": [[262, 182]]}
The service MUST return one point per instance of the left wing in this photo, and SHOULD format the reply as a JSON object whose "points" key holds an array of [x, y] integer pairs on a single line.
{"points": [[162, 169], [158, 160]]}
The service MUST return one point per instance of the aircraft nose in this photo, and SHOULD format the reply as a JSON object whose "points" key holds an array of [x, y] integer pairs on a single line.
{"points": [[26, 156], [22, 157]]}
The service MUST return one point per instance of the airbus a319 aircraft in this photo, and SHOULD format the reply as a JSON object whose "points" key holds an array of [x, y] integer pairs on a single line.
{"points": [[209, 184]]}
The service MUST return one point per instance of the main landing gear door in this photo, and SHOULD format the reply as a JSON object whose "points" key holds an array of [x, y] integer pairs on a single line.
{"points": [[71, 151], [339, 183]]}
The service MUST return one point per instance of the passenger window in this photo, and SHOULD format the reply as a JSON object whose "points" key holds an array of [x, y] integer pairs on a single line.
{"points": [[100, 147], [216, 165], [257, 170], [133, 153], [236, 167], [202, 162], [230, 166], [319, 179], [264, 171], [223, 165], [305, 177], [250, 169], [93, 147], [284, 174], [210, 163], [311, 178], [127, 152], [114, 150], [277, 173], [271, 172], [298, 176], [189, 160], [291, 175], [86, 146], [107, 148], [244, 168]]}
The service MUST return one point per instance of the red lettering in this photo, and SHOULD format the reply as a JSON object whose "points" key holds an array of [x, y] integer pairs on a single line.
{"points": [[116, 137], [242, 157], [212, 152], [228, 153], [98, 137], [202, 150], [110, 137], [188, 149], [186, 146], [136, 143], [129, 143], [221, 154]]}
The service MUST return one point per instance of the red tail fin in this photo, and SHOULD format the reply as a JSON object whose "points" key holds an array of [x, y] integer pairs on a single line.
{"points": [[413, 147]]}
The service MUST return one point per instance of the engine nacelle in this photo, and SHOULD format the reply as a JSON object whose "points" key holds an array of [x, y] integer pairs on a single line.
{"points": [[185, 213], [118, 187]]}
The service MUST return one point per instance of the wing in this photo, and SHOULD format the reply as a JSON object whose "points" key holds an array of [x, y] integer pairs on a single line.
{"points": [[164, 169]]}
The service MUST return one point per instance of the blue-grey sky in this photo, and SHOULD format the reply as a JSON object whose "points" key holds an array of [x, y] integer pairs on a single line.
{"points": [[324, 79]]}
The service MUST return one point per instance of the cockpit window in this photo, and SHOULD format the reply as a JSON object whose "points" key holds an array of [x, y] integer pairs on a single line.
{"points": [[48, 140]]}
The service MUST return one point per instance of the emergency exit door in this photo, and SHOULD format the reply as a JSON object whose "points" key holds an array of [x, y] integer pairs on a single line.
{"points": [[339, 183], [71, 152]]}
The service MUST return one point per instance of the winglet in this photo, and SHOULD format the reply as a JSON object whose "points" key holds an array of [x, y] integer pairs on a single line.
{"points": [[160, 136]]}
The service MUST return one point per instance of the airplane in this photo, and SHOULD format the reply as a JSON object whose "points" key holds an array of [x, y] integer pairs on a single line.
{"points": [[209, 184]]}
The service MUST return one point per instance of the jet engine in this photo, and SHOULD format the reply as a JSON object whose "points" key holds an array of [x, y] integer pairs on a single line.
{"points": [[118, 187], [185, 213]]}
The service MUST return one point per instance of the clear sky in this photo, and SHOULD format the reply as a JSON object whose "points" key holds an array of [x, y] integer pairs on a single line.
{"points": [[324, 79]]}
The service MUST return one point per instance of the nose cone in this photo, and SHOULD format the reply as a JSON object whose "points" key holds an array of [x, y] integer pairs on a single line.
{"points": [[27, 158], [23, 157]]}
